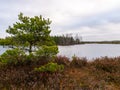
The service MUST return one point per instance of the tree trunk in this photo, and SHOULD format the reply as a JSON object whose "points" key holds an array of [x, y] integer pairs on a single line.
{"points": [[30, 48]]}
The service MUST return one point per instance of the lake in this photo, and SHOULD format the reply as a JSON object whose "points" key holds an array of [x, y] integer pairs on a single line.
{"points": [[89, 51]]}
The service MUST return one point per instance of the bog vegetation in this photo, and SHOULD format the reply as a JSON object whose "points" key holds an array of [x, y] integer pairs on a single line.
{"points": [[32, 63]]}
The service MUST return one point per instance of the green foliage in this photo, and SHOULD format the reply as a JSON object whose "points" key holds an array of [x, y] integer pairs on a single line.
{"points": [[50, 67], [31, 31], [6, 41], [2, 42], [47, 51], [12, 56]]}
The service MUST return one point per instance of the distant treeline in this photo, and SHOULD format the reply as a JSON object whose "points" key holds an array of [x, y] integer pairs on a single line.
{"points": [[67, 39], [101, 42]]}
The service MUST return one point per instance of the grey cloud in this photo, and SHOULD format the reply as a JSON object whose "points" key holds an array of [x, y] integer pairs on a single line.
{"points": [[94, 20], [65, 15], [108, 37]]}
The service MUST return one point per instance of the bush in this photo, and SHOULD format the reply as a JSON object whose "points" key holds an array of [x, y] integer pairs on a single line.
{"points": [[62, 60], [107, 64], [50, 67], [78, 62], [12, 56]]}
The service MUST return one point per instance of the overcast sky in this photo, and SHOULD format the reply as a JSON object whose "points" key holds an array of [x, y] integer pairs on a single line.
{"points": [[92, 19]]}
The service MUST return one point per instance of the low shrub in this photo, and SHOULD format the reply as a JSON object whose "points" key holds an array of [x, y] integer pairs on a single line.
{"points": [[78, 62], [107, 69], [62, 60], [50, 67], [107, 64]]}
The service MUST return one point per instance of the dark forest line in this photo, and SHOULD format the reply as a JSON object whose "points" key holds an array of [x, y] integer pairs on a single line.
{"points": [[63, 40], [67, 39]]}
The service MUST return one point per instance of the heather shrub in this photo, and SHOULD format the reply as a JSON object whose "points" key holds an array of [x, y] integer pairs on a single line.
{"points": [[112, 78], [62, 60], [107, 64], [107, 69], [78, 62]]}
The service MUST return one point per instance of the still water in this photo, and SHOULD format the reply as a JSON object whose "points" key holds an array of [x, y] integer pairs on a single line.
{"points": [[89, 51]]}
